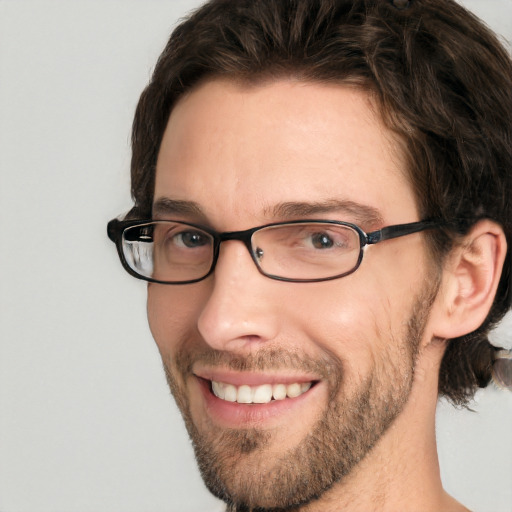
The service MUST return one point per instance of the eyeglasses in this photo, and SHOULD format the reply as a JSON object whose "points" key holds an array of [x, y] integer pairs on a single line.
{"points": [[174, 252]]}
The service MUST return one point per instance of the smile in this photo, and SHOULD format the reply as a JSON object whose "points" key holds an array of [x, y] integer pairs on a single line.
{"points": [[262, 394]]}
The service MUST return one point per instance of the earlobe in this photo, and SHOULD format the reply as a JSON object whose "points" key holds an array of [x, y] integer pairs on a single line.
{"points": [[470, 279]]}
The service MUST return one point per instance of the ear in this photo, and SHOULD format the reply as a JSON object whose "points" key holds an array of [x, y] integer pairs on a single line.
{"points": [[471, 275]]}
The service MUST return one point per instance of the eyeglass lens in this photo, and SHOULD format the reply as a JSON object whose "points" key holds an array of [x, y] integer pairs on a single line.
{"points": [[173, 252]]}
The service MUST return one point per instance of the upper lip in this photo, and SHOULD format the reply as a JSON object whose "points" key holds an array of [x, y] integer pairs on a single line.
{"points": [[252, 378]]}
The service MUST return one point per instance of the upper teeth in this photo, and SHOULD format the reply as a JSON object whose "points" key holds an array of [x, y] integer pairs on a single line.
{"points": [[258, 394]]}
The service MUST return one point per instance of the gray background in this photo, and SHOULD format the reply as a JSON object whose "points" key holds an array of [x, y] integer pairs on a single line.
{"points": [[86, 421]]}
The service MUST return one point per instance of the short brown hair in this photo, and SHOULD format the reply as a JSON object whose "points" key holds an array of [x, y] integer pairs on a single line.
{"points": [[443, 84]]}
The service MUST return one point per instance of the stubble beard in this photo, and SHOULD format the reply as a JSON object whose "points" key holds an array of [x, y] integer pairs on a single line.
{"points": [[347, 431]]}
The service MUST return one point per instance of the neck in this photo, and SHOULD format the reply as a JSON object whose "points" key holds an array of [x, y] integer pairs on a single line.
{"points": [[402, 470]]}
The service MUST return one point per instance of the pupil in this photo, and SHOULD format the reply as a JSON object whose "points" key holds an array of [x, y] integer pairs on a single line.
{"points": [[322, 241], [191, 239]]}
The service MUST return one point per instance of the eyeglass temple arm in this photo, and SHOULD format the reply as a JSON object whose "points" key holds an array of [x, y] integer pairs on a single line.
{"points": [[398, 230], [113, 229], [116, 226]]}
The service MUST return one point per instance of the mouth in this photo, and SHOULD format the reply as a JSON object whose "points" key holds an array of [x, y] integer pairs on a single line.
{"points": [[261, 394], [244, 399]]}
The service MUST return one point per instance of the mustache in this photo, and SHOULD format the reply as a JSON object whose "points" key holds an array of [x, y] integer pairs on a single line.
{"points": [[328, 366]]}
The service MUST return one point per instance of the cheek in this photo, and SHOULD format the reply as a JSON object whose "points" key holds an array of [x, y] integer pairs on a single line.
{"points": [[172, 314], [357, 324], [340, 323]]}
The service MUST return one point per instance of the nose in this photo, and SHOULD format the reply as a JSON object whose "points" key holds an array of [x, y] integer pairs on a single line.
{"points": [[241, 308]]}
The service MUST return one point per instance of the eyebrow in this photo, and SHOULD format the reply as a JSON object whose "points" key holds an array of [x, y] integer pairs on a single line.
{"points": [[164, 207], [360, 213], [364, 214]]}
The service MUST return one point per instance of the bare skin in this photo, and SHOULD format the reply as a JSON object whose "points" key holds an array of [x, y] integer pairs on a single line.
{"points": [[233, 155]]}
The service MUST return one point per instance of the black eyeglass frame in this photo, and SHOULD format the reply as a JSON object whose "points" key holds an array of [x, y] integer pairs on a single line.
{"points": [[116, 227]]}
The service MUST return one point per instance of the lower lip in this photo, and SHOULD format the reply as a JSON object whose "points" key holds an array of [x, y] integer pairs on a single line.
{"points": [[233, 414]]}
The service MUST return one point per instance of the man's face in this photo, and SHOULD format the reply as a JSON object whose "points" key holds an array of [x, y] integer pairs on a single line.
{"points": [[342, 352]]}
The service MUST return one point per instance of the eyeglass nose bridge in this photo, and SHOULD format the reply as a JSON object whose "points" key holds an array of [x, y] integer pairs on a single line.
{"points": [[244, 236]]}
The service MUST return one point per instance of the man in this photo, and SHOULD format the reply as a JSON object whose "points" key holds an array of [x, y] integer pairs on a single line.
{"points": [[278, 143]]}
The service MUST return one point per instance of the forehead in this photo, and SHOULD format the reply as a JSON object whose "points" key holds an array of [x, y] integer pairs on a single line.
{"points": [[237, 151]]}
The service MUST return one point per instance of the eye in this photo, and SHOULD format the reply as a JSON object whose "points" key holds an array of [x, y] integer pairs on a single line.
{"points": [[190, 239], [321, 241]]}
